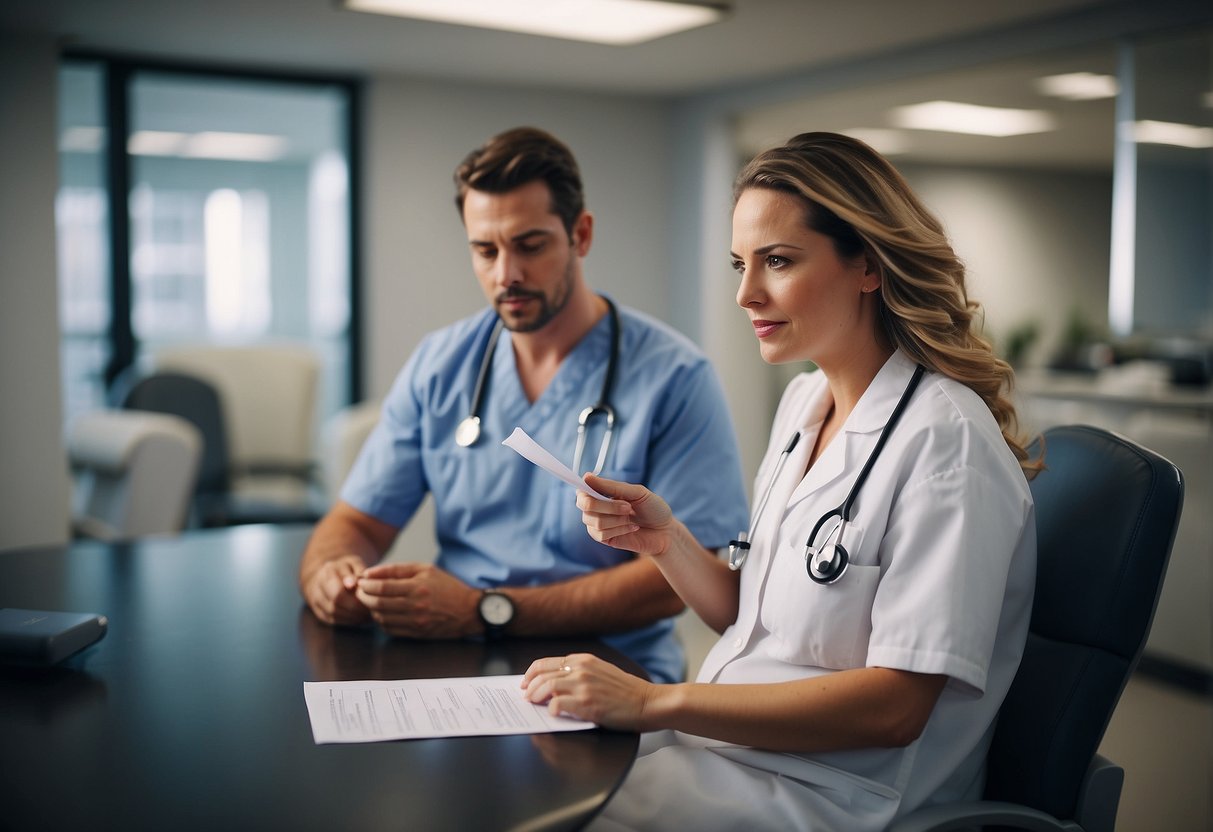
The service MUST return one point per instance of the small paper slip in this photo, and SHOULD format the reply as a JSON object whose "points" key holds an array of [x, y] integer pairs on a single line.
{"points": [[536, 453], [411, 709]]}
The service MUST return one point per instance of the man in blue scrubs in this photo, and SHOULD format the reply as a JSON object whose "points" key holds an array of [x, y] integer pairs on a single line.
{"points": [[514, 557]]}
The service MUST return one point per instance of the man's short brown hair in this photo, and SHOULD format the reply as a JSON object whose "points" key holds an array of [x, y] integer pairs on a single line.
{"points": [[518, 157]]}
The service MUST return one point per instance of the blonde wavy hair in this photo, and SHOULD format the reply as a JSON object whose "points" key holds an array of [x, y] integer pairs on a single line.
{"points": [[860, 201]]}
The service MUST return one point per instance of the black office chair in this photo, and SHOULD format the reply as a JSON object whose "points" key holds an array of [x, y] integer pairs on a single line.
{"points": [[1106, 514], [198, 401]]}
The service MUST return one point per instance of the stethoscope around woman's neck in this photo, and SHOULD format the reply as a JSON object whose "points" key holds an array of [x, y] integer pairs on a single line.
{"points": [[825, 562], [469, 429]]}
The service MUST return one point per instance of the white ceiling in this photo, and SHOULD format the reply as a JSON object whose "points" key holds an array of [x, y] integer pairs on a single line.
{"points": [[1083, 139], [760, 38], [760, 41]]}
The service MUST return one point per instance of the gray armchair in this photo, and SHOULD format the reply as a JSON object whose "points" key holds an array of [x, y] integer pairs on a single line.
{"points": [[134, 473]]}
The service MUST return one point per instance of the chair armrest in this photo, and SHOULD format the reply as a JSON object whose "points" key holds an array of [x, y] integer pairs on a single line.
{"points": [[1100, 796], [1096, 811], [980, 813]]}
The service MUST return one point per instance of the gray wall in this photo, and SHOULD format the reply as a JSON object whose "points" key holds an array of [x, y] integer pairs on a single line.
{"points": [[34, 494], [1036, 244], [418, 273]]}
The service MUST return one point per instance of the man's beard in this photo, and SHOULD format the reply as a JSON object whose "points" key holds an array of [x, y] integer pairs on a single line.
{"points": [[549, 308]]}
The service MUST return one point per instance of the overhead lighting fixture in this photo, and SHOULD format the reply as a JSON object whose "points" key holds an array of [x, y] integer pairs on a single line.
{"points": [[241, 147], [232, 147], [1168, 132], [1207, 99], [82, 139], [615, 22], [155, 143], [1079, 86], [955, 117]]}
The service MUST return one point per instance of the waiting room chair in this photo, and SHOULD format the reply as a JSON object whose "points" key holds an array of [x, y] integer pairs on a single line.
{"points": [[342, 438], [1106, 514], [133, 473], [269, 398], [215, 502], [198, 402]]}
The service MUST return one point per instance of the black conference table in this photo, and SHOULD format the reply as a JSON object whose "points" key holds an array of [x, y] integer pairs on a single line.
{"points": [[190, 714]]}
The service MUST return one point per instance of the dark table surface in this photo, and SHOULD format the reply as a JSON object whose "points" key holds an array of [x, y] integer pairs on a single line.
{"points": [[189, 714]]}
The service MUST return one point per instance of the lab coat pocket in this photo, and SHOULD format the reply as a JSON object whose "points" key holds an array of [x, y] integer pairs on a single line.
{"points": [[564, 531], [820, 625]]}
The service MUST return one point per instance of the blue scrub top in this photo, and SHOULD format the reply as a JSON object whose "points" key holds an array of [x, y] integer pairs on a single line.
{"points": [[502, 521]]}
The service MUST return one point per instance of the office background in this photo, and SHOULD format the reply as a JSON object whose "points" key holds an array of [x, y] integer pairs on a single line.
{"points": [[657, 158]]}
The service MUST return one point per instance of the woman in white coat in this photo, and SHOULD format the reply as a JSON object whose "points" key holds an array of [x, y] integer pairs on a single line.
{"points": [[861, 663]]}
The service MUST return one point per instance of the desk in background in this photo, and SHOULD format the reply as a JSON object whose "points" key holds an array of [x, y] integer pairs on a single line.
{"points": [[189, 714]]}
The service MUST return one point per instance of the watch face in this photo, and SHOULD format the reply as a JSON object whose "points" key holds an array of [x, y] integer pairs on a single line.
{"points": [[496, 609]]}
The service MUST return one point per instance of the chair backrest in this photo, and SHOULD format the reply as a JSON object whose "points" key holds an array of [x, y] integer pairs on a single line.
{"points": [[134, 472], [1106, 514], [342, 438], [269, 396], [198, 402]]}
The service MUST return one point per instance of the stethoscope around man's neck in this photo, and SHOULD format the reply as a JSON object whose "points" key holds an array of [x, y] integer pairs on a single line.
{"points": [[469, 429], [825, 562]]}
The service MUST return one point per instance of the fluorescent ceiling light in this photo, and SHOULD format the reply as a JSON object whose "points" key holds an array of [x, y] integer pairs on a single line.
{"points": [[954, 117], [244, 147], [238, 147], [1207, 99], [1167, 132], [155, 143], [82, 140], [616, 22], [1079, 86], [883, 141]]}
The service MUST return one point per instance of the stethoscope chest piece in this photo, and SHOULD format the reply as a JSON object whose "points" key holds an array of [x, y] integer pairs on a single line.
{"points": [[825, 558], [582, 421], [468, 432], [826, 564]]}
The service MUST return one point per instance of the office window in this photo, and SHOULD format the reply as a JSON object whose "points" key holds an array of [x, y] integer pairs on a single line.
{"points": [[82, 237], [238, 220]]}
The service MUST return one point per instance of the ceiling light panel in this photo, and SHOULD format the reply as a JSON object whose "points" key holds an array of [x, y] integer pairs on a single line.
{"points": [[1078, 86], [1167, 132], [244, 147], [82, 140], [155, 143], [239, 147], [955, 117], [615, 22]]}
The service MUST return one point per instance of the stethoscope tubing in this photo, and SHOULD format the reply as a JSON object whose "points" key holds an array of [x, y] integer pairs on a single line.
{"points": [[468, 430], [825, 571], [603, 405], [739, 549]]}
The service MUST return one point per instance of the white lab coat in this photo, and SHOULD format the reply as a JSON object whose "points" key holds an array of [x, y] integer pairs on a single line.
{"points": [[942, 542]]}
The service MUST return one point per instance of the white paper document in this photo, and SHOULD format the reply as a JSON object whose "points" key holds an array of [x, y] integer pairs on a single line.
{"points": [[536, 453], [372, 711]]}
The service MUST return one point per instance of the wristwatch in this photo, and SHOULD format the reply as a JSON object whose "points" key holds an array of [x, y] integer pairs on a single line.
{"points": [[496, 611]]}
